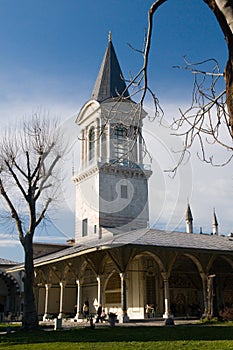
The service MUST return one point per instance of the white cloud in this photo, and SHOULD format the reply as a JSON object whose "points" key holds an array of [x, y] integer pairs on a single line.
{"points": [[204, 186]]}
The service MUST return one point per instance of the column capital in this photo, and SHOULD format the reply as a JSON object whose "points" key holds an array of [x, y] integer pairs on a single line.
{"points": [[165, 275], [122, 275]]}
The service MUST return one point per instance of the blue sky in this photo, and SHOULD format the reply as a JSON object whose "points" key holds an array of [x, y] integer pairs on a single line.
{"points": [[50, 53]]}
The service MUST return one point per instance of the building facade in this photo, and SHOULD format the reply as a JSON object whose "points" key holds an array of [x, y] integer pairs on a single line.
{"points": [[116, 259]]}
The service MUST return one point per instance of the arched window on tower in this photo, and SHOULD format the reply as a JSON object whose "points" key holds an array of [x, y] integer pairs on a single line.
{"points": [[91, 141], [121, 143]]}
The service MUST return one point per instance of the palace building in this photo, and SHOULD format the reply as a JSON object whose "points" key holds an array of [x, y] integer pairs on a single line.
{"points": [[116, 259]]}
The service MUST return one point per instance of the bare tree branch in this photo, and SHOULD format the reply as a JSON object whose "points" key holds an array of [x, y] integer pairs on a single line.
{"points": [[13, 211], [28, 158], [209, 119]]}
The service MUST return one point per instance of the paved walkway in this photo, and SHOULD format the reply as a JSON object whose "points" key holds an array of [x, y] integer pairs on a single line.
{"points": [[70, 323]]}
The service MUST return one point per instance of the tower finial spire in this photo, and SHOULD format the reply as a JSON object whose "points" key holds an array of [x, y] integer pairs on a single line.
{"points": [[215, 224], [189, 220], [109, 36]]}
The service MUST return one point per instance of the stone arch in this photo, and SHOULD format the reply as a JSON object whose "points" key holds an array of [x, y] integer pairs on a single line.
{"points": [[82, 269], [157, 259], [54, 275], [9, 296], [230, 261], [69, 275], [196, 262], [185, 285], [40, 277], [210, 263], [221, 269], [112, 291], [146, 283], [89, 286]]}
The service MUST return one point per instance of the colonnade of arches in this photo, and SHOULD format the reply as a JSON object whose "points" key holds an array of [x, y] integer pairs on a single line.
{"points": [[10, 297], [126, 280]]}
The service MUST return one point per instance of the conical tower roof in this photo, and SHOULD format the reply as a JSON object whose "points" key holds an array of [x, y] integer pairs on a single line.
{"points": [[110, 82], [189, 216], [215, 221]]}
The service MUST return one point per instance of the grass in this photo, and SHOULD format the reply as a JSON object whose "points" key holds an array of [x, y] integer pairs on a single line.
{"points": [[192, 337]]}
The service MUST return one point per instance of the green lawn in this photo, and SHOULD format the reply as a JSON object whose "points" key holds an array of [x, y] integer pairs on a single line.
{"points": [[195, 337]]}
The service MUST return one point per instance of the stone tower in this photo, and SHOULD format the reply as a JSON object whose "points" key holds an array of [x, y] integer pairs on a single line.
{"points": [[112, 183]]}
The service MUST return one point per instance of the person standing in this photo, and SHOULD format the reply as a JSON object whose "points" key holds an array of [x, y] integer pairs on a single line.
{"points": [[86, 309], [99, 314]]}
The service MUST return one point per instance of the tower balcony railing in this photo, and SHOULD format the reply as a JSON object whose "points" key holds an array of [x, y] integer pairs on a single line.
{"points": [[114, 162]]}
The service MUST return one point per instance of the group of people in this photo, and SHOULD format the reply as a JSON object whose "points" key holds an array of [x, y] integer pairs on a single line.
{"points": [[100, 313]]}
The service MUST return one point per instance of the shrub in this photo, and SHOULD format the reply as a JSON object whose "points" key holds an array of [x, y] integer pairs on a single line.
{"points": [[227, 314]]}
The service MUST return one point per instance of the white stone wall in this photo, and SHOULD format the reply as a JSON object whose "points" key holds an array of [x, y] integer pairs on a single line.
{"points": [[87, 205], [127, 213]]}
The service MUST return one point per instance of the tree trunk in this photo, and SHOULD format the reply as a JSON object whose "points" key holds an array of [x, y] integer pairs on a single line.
{"points": [[223, 11], [30, 318], [229, 85]]}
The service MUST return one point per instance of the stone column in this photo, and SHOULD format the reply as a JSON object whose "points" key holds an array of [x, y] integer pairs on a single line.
{"points": [[62, 286], [47, 286], [99, 292], [166, 296], [83, 150], [36, 294], [140, 147], [204, 293], [109, 146], [86, 153], [78, 299], [125, 317], [97, 140], [212, 309]]}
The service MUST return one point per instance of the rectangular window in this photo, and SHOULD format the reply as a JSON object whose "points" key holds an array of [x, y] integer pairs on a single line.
{"points": [[124, 191], [84, 227], [95, 229]]}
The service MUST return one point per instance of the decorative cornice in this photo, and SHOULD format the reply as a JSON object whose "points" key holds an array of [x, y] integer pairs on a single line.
{"points": [[113, 169], [85, 174]]}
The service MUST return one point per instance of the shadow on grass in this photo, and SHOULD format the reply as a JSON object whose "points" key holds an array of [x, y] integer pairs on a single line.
{"points": [[119, 334]]}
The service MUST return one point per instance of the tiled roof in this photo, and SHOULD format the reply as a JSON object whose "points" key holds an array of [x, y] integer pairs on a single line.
{"points": [[110, 82], [175, 239], [145, 237], [7, 262]]}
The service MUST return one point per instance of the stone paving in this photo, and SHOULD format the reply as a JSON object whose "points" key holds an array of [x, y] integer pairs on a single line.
{"points": [[70, 323]]}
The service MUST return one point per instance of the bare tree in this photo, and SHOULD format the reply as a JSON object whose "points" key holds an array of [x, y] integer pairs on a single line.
{"points": [[28, 184], [210, 116]]}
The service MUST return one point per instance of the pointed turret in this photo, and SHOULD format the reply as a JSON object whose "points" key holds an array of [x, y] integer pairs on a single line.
{"points": [[110, 82], [215, 224], [189, 220]]}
